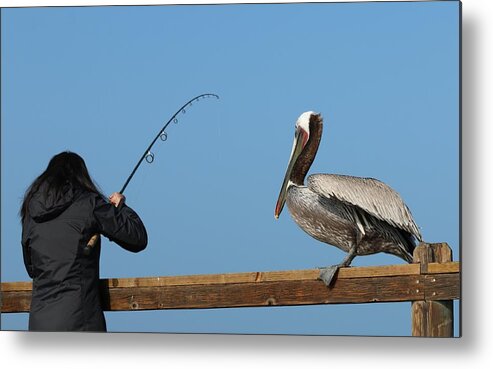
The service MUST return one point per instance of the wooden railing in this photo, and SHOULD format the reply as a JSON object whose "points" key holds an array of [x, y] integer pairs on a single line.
{"points": [[431, 284]]}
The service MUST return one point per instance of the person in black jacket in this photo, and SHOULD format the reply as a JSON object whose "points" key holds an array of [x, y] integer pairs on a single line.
{"points": [[61, 211]]}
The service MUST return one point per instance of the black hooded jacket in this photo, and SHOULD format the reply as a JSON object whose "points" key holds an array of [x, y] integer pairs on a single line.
{"points": [[65, 293]]}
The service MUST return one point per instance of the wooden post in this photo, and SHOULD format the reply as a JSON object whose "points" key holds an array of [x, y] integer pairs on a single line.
{"points": [[432, 318]]}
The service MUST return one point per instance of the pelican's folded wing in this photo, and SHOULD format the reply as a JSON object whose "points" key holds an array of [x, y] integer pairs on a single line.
{"points": [[369, 194]]}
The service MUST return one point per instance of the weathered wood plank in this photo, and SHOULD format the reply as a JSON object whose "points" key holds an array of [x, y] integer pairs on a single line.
{"points": [[275, 276], [442, 287], [302, 292], [449, 267], [16, 286], [16, 302], [298, 287], [285, 293], [249, 277]]}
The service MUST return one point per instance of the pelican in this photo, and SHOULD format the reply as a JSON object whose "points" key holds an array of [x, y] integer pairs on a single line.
{"points": [[360, 216]]}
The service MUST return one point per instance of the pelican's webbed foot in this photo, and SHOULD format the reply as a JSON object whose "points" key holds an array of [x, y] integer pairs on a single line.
{"points": [[327, 274]]}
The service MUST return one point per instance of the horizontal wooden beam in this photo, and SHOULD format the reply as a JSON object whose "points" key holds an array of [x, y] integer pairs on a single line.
{"points": [[390, 283]]}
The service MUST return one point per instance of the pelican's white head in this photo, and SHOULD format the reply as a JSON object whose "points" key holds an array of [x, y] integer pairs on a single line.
{"points": [[303, 121], [301, 137]]}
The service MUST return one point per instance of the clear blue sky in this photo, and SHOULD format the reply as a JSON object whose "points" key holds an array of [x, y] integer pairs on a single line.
{"points": [[101, 81]]}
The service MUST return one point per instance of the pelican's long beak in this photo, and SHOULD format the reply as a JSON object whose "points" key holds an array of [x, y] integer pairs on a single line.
{"points": [[300, 139]]}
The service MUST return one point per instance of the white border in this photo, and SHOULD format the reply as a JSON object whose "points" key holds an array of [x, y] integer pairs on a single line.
{"points": [[87, 350]]}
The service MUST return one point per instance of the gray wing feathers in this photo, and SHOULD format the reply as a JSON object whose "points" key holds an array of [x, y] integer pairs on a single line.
{"points": [[369, 194]]}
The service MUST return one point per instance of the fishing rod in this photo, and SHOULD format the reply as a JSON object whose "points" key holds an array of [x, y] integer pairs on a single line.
{"points": [[148, 156]]}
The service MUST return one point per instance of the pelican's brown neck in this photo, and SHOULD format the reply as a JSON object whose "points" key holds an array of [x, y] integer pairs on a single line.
{"points": [[305, 160]]}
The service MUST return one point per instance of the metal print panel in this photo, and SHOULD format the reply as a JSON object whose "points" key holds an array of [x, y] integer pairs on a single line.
{"points": [[255, 168]]}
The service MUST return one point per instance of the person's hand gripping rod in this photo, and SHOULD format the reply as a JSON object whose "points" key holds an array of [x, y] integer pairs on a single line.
{"points": [[116, 199]]}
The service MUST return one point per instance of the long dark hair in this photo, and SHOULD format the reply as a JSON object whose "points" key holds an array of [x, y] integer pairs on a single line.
{"points": [[64, 169]]}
